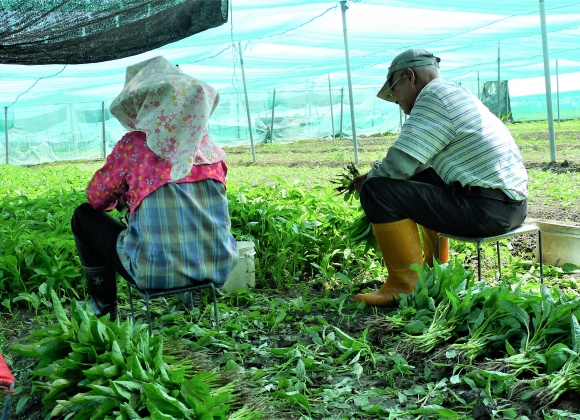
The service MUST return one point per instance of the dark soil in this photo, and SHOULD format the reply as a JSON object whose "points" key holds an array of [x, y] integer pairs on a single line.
{"points": [[555, 167]]}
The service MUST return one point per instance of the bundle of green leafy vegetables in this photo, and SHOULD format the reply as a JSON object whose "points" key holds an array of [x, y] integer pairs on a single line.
{"points": [[361, 231]]}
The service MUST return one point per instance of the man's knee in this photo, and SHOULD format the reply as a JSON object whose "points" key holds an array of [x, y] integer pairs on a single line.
{"points": [[375, 187], [373, 199], [366, 193]]}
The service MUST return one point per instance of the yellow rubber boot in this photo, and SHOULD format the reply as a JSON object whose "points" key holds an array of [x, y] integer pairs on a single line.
{"points": [[430, 246], [401, 247]]}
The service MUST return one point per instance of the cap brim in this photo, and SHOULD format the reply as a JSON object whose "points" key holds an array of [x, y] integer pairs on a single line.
{"points": [[385, 93]]}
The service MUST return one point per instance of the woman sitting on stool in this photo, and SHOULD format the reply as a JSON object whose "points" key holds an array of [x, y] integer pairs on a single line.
{"points": [[171, 176]]}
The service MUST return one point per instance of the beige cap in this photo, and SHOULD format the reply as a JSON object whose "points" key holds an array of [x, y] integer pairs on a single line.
{"points": [[407, 59]]}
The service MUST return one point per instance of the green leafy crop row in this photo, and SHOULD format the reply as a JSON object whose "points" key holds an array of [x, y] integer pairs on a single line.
{"points": [[92, 368]]}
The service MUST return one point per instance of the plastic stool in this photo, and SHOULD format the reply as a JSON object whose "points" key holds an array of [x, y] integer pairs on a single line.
{"points": [[153, 293], [7, 383], [520, 230]]}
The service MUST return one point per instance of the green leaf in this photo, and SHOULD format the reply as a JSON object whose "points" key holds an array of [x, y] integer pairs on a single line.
{"points": [[557, 356], [510, 350], [509, 413], [57, 388], [84, 335], [87, 399], [128, 413], [470, 382], [451, 354], [575, 334], [102, 390], [415, 327], [300, 369], [158, 400], [59, 312], [22, 401], [129, 385], [137, 370], [196, 389], [528, 393], [99, 371], [98, 331], [120, 391], [441, 412], [116, 355], [298, 398], [455, 302], [26, 350], [54, 349], [106, 407], [569, 268], [156, 415], [517, 312], [315, 336], [125, 337]]}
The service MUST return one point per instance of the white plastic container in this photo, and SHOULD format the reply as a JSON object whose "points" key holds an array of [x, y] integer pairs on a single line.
{"points": [[243, 275], [560, 243]]}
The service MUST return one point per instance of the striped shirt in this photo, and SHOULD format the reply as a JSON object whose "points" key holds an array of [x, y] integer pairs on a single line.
{"points": [[453, 132], [180, 233]]}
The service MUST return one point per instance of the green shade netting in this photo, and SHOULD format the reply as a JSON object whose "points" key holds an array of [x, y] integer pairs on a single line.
{"points": [[298, 48], [82, 31]]}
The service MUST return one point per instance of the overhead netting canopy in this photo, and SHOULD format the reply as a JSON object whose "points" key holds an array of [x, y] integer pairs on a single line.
{"points": [[297, 47], [84, 31]]}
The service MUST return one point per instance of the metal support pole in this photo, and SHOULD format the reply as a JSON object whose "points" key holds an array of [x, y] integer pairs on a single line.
{"points": [[478, 91], [72, 129], [247, 104], [558, 92], [548, 84], [6, 131], [344, 7], [272, 121], [498, 84], [341, 109], [507, 102], [331, 110], [104, 131], [400, 119]]}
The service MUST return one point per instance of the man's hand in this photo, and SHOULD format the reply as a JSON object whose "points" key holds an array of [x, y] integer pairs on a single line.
{"points": [[356, 183]]}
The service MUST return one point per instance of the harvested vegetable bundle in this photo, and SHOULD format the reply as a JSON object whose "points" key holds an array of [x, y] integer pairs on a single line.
{"points": [[361, 231], [342, 180]]}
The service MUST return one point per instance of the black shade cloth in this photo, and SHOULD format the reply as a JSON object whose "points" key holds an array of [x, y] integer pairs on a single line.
{"points": [[91, 31]]}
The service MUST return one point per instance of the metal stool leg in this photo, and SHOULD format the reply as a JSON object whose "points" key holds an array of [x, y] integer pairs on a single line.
{"points": [[148, 315], [195, 294], [479, 261], [541, 257], [437, 248], [498, 259], [130, 293], [215, 308]]}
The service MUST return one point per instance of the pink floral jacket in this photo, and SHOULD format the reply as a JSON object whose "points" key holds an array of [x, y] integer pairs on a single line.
{"points": [[132, 172]]}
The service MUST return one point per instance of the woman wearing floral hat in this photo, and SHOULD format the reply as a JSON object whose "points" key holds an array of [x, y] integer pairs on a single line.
{"points": [[171, 176]]}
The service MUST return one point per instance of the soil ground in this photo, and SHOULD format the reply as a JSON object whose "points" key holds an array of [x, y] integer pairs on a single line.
{"points": [[337, 156]]}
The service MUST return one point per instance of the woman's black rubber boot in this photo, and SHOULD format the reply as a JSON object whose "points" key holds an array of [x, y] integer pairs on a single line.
{"points": [[102, 290]]}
